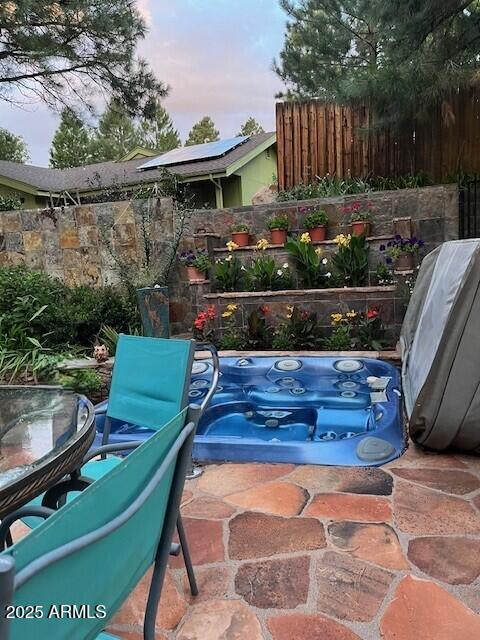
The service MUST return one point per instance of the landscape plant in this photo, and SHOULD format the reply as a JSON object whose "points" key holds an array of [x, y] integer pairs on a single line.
{"points": [[229, 274], [198, 259], [264, 274], [204, 325], [298, 329], [232, 338], [315, 218], [311, 267], [259, 333], [351, 259]]}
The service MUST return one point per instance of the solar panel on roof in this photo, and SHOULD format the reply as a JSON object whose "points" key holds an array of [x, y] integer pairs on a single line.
{"points": [[194, 152]]}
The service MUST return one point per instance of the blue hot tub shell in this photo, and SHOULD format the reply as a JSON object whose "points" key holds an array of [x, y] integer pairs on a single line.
{"points": [[308, 410]]}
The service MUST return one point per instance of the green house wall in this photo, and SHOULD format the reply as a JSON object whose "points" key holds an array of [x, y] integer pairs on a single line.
{"points": [[258, 173]]}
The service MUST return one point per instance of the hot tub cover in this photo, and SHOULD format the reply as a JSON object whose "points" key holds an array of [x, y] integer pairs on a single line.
{"points": [[440, 344]]}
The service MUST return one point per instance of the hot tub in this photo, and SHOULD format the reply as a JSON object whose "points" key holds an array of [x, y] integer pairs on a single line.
{"points": [[310, 410]]}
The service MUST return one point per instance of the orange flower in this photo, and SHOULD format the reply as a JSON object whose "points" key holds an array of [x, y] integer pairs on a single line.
{"points": [[264, 309], [372, 313]]}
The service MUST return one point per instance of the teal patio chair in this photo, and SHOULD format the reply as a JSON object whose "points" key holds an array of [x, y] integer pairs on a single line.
{"points": [[150, 383], [91, 553]]}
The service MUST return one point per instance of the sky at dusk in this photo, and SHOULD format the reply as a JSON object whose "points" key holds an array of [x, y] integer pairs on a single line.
{"points": [[216, 56]]}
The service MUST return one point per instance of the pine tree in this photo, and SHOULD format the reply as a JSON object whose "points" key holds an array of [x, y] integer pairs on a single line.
{"points": [[250, 128], [116, 134], [399, 56], [203, 131], [72, 143], [159, 133], [12, 147]]}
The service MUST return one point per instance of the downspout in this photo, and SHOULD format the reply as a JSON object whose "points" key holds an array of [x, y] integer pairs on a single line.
{"points": [[218, 192]]}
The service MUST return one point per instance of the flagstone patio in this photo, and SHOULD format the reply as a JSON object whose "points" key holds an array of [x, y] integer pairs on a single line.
{"points": [[326, 553]]}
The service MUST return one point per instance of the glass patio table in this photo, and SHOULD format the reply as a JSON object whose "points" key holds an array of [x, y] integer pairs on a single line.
{"points": [[44, 434]]}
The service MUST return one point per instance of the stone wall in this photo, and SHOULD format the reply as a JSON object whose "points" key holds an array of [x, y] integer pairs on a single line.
{"points": [[72, 243]]}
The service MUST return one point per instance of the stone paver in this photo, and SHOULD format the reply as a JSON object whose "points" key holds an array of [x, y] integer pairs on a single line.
{"points": [[277, 498], [350, 589], [220, 620], [325, 553], [447, 480], [226, 479], [274, 584], [377, 543], [373, 481], [455, 560], [308, 627], [423, 610], [350, 507], [420, 511], [255, 535]]}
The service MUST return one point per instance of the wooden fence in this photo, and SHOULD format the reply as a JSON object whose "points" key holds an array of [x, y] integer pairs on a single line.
{"points": [[315, 138]]}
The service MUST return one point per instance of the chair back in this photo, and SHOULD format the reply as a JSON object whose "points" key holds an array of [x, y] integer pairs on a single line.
{"points": [[150, 380], [93, 551]]}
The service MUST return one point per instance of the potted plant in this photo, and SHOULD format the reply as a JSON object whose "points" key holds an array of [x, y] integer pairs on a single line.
{"points": [[316, 222], [240, 234], [401, 251], [360, 218], [278, 227], [197, 264]]}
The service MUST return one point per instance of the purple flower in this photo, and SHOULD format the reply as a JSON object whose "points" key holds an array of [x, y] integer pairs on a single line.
{"points": [[398, 237], [388, 260], [421, 243], [382, 247]]}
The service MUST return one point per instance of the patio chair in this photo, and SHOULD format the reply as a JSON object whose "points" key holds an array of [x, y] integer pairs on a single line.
{"points": [[150, 384], [95, 549]]}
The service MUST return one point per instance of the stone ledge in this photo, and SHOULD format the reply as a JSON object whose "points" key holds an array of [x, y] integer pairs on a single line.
{"points": [[391, 355], [199, 282], [252, 247], [299, 292]]}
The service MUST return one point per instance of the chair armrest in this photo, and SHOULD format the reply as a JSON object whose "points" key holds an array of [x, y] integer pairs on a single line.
{"points": [[22, 512], [206, 346], [111, 448]]}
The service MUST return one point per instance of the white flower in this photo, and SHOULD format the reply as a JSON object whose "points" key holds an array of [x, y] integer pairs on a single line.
{"points": [[242, 268], [285, 266], [228, 258], [279, 272], [328, 274], [324, 261]]}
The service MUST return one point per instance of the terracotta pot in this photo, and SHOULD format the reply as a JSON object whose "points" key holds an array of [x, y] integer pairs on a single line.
{"points": [[318, 234], [242, 238], [194, 275], [278, 236], [361, 228], [404, 262]]}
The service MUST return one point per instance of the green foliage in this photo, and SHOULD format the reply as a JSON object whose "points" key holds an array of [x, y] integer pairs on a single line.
{"points": [[259, 334], [330, 186], [67, 53], [250, 128], [202, 132], [12, 147], [264, 274], [10, 203], [351, 260], [229, 274], [72, 142], [339, 340], [370, 331], [278, 221], [299, 330], [384, 275], [239, 227], [86, 381], [159, 132], [309, 264], [116, 134], [316, 218], [399, 57]]}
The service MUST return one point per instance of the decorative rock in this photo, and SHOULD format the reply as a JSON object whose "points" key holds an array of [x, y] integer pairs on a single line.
{"points": [[422, 609], [308, 627], [278, 498], [274, 584], [452, 560], [205, 540], [369, 480], [350, 507], [448, 480], [220, 620], [171, 609], [377, 543], [207, 507], [229, 478], [255, 535], [350, 589], [422, 511]]}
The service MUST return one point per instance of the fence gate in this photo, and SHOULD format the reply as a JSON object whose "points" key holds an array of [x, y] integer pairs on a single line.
{"points": [[469, 214]]}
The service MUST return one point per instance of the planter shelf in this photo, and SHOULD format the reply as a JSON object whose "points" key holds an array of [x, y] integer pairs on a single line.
{"points": [[305, 293], [252, 247]]}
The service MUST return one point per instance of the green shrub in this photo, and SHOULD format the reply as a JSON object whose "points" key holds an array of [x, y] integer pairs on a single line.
{"points": [[316, 218], [229, 274], [86, 381], [351, 260], [264, 274], [298, 330], [278, 221], [311, 267]]}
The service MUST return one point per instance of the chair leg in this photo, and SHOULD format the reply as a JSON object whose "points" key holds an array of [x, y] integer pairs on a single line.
{"points": [[186, 556]]}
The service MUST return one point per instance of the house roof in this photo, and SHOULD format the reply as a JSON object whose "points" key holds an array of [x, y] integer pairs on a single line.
{"points": [[102, 175]]}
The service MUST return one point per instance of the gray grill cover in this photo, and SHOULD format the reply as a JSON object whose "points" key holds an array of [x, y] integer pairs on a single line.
{"points": [[440, 344]]}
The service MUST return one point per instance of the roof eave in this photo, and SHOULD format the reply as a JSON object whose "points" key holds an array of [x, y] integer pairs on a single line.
{"points": [[251, 155]]}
